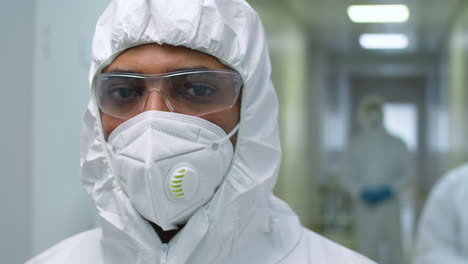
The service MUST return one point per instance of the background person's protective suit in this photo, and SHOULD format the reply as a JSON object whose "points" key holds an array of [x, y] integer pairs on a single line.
{"points": [[443, 227], [376, 167], [243, 222]]}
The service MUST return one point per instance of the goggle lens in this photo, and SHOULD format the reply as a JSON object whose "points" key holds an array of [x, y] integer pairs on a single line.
{"points": [[193, 93]]}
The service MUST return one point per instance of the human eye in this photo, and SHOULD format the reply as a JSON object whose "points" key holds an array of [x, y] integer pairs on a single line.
{"points": [[123, 93], [197, 91]]}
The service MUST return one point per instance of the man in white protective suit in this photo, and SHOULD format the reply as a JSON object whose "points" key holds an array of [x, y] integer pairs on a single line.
{"points": [[180, 146], [443, 227], [376, 168]]}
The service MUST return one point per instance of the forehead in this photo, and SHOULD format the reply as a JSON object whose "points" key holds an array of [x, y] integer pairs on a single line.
{"points": [[373, 107], [155, 59]]}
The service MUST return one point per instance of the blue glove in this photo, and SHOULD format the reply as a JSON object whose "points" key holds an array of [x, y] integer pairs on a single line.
{"points": [[369, 197], [384, 193], [376, 196]]}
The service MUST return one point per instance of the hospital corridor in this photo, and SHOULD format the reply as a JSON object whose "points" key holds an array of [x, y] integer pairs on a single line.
{"points": [[372, 117]]}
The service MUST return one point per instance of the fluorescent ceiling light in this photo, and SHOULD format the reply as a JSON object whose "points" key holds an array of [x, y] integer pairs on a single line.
{"points": [[378, 13], [383, 41]]}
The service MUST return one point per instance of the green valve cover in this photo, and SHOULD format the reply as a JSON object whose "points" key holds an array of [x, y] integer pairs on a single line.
{"points": [[182, 182]]}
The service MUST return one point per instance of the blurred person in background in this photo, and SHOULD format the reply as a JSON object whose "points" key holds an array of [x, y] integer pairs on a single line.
{"points": [[180, 144], [376, 168], [443, 227]]}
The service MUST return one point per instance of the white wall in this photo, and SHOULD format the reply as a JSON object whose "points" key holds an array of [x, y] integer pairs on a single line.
{"points": [[45, 57], [62, 54], [456, 96], [16, 25], [298, 83]]}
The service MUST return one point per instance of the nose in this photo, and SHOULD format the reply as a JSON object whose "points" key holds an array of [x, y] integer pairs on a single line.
{"points": [[155, 101]]}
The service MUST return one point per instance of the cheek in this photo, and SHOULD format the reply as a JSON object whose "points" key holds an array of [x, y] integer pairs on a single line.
{"points": [[109, 123], [226, 119]]}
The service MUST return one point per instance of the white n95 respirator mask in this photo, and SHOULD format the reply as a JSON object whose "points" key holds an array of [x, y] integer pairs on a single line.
{"points": [[169, 164]]}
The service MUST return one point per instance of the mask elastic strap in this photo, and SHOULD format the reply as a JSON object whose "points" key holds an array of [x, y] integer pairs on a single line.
{"points": [[216, 144]]}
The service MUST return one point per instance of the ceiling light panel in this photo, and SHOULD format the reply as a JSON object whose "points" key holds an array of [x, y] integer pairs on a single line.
{"points": [[383, 41], [378, 13]]}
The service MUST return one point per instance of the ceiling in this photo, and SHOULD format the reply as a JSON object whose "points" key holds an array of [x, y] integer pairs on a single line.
{"points": [[329, 26]]}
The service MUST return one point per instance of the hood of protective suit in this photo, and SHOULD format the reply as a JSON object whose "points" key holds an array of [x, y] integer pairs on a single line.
{"points": [[240, 210], [370, 113]]}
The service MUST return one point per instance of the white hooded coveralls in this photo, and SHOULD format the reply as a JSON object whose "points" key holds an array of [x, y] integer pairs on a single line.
{"points": [[443, 228], [375, 158], [243, 222]]}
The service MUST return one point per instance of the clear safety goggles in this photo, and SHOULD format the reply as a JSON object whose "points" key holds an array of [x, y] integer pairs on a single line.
{"points": [[124, 95]]}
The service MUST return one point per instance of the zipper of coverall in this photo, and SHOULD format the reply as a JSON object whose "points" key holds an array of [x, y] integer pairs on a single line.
{"points": [[164, 250]]}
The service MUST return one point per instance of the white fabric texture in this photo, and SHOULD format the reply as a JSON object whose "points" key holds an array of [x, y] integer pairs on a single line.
{"points": [[375, 158], [443, 228], [243, 222]]}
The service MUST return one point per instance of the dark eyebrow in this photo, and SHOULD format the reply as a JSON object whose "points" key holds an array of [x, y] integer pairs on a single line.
{"points": [[196, 68], [121, 70]]}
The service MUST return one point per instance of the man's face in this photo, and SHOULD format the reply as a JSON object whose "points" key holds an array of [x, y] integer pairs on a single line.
{"points": [[159, 59], [373, 116]]}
